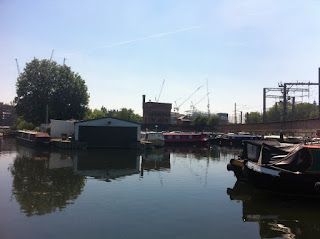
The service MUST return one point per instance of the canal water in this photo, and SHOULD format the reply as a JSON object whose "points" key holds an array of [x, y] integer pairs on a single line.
{"points": [[167, 193]]}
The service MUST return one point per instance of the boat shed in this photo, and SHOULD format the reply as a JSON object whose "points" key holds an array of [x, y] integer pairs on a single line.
{"points": [[108, 133]]}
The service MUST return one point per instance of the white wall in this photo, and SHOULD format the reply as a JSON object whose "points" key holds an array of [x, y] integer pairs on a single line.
{"points": [[59, 127], [110, 122]]}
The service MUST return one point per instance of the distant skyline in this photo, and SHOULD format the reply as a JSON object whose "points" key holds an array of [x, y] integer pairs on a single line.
{"points": [[126, 49]]}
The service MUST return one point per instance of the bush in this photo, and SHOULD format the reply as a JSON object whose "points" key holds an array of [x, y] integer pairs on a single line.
{"points": [[25, 125]]}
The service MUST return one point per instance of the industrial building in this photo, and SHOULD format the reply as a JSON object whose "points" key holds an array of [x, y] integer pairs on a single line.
{"points": [[108, 133], [156, 113], [6, 114]]}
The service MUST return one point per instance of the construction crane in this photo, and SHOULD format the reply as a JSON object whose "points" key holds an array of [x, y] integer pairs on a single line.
{"points": [[193, 106], [51, 55], [18, 66], [208, 105], [160, 90], [178, 107]]}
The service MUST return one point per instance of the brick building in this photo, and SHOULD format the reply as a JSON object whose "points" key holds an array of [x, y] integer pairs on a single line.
{"points": [[6, 113], [156, 113]]}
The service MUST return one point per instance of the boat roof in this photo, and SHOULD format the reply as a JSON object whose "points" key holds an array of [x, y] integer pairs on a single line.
{"points": [[304, 158], [182, 133], [36, 133]]}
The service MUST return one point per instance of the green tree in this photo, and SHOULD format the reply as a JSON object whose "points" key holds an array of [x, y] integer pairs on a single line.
{"points": [[25, 125], [46, 85], [306, 111], [253, 117], [200, 121], [274, 114], [301, 111], [213, 121], [124, 114], [128, 114]]}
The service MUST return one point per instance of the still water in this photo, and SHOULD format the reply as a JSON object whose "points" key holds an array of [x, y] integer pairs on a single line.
{"points": [[168, 193]]}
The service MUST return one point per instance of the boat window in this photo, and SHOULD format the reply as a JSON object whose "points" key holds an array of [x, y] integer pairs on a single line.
{"points": [[170, 136], [177, 136], [190, 136], [32, 136]]}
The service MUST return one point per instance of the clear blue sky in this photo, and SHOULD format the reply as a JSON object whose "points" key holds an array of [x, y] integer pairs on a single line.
{"points": [[124, 49]]}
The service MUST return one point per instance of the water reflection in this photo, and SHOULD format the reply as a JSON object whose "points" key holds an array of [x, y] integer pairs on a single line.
{"points": [[157, 159], [107, 164], [7, 145], [278, 215], [40, 186]]}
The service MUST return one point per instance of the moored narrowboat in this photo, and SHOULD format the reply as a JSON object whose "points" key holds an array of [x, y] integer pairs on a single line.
{"points": [[33, 138], [155, 138], [235, 139], [184, 138], [296, 173]]}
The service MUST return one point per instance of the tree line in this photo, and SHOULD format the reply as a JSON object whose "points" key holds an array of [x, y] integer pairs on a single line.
{"points": [[299, 111]]}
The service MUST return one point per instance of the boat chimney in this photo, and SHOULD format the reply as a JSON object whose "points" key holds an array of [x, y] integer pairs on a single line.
{"points": [[143, 100]]}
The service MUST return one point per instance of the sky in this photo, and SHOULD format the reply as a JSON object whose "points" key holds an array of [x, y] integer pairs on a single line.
{"points": [[231, 49]]}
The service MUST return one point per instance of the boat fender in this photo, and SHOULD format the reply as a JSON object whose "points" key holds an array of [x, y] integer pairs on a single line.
{"points": [[317, 187], [229, 167]]}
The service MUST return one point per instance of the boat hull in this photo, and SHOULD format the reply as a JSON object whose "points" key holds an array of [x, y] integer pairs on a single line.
{"points": [[282, 181]]}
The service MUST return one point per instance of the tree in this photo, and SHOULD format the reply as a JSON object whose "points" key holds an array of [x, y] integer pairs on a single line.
{"points": [[129, 115], [46, 85], [213, 121], [306, 111], [253, 117], [124, 114], [200, 121]]}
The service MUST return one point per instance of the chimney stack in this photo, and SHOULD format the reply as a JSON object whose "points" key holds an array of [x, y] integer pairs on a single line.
{"points": [[143, 100]]}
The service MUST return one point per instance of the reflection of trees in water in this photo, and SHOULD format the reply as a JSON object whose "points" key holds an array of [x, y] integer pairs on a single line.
{"points": [[156, 159], [7, 144], [40, 190], [278, 216]]}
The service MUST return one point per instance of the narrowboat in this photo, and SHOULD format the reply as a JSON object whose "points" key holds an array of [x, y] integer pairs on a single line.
{"points": [[251, 151], [236, 139], [183, 138], [155, 138], [33, 138], [297, 173]]}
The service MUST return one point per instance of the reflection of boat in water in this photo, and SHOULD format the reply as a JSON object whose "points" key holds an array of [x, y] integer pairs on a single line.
{"points": [[33, 138], [55, 159], [107, 164], [155, 160], [176, 149], [278, 216], [33, 153], [185, 138]]}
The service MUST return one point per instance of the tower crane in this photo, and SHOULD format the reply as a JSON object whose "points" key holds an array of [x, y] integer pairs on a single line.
{"points": [[51, 55], [160, 90], [178, 107], [18, 66], [193, 106]]}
